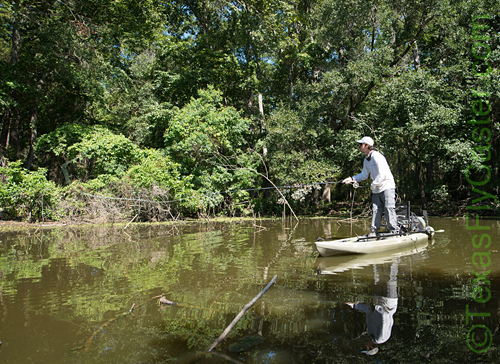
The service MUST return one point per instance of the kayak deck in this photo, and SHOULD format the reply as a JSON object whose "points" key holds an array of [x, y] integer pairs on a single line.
{"points": [[366, 245]]}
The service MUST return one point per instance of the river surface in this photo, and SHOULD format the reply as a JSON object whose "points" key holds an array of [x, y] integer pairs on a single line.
{"points": [[90, 295]]}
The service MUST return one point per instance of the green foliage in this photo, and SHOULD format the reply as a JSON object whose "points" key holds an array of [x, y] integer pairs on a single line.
{"points": [[52, 148], [103, 152], [204, 127], [56, 143], [294, 143], [129, 104], [210, 82], [418, 120], [441, 193], [208, 141], [27, 194], [157, 170]]}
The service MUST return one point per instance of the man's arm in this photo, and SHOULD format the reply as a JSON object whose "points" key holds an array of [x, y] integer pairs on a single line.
{"points": [[364, 307], [363, 175]]}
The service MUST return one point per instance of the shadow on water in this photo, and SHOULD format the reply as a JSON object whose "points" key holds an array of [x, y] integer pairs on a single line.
{"points": [[66, 296]]}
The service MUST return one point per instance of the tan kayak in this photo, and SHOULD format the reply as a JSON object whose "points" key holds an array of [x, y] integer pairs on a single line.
{"points": [[365, 245]]}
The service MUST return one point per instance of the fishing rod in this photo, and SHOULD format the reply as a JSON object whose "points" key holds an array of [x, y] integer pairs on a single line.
{"points": [[222, 192], [355, 185], [289, 186]]}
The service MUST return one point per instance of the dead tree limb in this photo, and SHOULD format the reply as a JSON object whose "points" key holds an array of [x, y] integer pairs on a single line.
{"points": [[88, 343], [240, 315], [126, 226], [227, 357]]}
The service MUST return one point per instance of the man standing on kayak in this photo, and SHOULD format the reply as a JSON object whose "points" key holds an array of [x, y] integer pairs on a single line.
{"points": [[383, 186]]}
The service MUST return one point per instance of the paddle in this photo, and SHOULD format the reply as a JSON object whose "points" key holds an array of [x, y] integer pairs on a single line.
{"points": [[377, 236], [399, 234]]}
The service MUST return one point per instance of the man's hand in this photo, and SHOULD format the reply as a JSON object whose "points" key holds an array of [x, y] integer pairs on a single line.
{"points": [[349, 180]]}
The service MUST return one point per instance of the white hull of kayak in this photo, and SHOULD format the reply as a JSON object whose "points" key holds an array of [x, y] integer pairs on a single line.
{"points": [[362, 245], [340, 263]]}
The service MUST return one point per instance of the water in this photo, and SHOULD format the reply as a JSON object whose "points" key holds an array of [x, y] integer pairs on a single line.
{"points": [[66, 295]]}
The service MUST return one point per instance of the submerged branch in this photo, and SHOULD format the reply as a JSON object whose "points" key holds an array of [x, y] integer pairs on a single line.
{"points": [[240, 315], [88, 342], [227, 357]]}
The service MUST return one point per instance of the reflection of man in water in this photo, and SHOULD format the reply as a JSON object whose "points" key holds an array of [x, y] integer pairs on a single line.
{"points": [[379, 314]]}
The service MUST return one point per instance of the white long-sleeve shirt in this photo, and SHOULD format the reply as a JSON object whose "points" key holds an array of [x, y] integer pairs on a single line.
{"points": [[379, 171], [379, 320]]}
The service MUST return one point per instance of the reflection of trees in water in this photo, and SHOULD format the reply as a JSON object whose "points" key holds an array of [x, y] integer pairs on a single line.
{"points": [[197, 257], [95, 273]]}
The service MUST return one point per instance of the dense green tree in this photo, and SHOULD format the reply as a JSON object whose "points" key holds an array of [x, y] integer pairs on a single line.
{"points": [[38, 80], [208, 140], [57, 55]]}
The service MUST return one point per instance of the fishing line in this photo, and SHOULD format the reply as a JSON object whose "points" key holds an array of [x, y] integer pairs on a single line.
{"points": [[211, 193], [207, 194]]}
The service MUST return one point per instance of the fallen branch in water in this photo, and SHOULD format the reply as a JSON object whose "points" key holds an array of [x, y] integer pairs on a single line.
{"points": [[240, 315], [227, 357], [260, 227], [86, 347], [88, 343], [164, 301]]}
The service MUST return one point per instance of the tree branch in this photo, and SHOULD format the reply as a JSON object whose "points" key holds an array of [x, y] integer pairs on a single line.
{"points": [[240, 315], [420, 32], [410, 43]]}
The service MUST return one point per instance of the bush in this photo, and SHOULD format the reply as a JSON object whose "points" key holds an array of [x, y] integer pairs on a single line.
{"points": [[103, 152], [440, 193], [157, 172], [27, 195]]}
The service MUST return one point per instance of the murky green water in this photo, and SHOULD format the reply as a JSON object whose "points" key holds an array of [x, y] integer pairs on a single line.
{"points": [[65, 295]]}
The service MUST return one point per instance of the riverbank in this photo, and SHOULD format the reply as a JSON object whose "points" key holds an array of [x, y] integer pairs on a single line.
{"points": [[340, 210]]}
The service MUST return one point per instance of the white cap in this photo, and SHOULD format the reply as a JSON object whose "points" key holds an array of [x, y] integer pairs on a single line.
{"points": [[370, 352], [366, 140]]}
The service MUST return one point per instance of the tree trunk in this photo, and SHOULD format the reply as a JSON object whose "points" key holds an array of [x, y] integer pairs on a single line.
{"points": [[33, 135], [494, 150], [33, 122], [10, 126], [10, 131], [327, 192], [250, 101], [5, 134], [259, 97], [261, 106], [421, 184], [430, 172], [400, 174], [416, 56], [16, 37], [409, 167]]}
